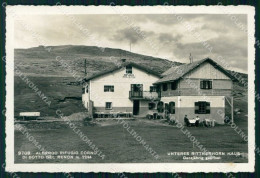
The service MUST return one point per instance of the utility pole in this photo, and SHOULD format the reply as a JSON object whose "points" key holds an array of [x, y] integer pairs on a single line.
{"points": [[85, 66], [232, 110]]}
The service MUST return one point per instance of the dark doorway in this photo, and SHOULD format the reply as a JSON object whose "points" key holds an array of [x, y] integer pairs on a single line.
{"points": [[136, 107]]}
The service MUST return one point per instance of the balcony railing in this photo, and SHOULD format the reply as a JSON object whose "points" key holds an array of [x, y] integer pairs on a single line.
{"points": [[145, 95], [194, 92]]}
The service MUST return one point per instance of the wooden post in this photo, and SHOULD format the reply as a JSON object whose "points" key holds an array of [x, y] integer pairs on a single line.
{"points": [[232, 110], [90, 111]]}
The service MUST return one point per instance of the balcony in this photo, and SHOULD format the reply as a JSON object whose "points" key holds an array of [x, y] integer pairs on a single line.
{"points": [[194, 92], [144, 95]]}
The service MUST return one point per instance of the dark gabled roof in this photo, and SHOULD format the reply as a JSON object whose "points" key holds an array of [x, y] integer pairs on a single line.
{"points": [[175, 73], [123, 64]]}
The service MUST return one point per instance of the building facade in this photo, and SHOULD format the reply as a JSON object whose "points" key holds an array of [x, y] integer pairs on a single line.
{"points": [[126, 88], [202, 88]]}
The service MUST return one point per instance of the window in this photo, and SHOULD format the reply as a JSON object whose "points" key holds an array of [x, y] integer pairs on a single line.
{"points": [[160, 107], [108, 88], [153, 88], [172, 107], [108, 105], [128, 69], [165, 86], [174, 85], [202, 107], [151, 105], [206, 84], [136, 87], [166, 106]]}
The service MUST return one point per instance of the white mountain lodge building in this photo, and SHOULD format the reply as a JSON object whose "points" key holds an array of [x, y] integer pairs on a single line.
{"points": [[202, 88]]}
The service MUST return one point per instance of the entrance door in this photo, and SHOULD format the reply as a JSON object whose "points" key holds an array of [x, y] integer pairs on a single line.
{"points": [[136, 107]]}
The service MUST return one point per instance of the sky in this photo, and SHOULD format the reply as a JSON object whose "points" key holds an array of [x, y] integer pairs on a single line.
{"points": [[158, 35]]}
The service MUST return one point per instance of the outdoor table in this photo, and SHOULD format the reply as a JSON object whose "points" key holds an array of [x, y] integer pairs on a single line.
{"points": [[192, 121], [100, 114], [114, 114], [208, 122], [213, 123], [127, 114]]}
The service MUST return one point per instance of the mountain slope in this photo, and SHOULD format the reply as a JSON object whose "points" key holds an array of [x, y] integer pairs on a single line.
{"points": [[38, 61]]}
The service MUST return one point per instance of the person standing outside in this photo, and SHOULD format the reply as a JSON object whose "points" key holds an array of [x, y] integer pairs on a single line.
{"points": [[197, 121]]}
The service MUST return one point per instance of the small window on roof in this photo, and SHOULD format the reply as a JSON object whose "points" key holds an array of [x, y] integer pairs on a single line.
{"points": [[206, 84], [128, 69]]}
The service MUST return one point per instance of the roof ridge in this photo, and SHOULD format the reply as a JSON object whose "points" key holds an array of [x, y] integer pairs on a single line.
{"points": [[186, 68], [123, 64], [182, 65]]}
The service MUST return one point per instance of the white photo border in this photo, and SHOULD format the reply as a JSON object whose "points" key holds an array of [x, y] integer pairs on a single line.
{"points": [[126, 167]]}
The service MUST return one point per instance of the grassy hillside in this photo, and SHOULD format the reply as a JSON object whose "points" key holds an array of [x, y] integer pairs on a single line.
{"points": [[39, 61], [58, 90]]}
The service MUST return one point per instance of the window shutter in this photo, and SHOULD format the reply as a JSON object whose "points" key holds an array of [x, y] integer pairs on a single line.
{"points": [[151, 106], [172, 107], [207, 107], [201, 84], [141, 87], [210, 84], [159, 107], [132, 87], [196, 107], [173, 112], [162, 108], [167, 107]]}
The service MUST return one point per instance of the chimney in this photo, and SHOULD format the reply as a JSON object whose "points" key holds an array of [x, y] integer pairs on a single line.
{"points": [[191, 59]]}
